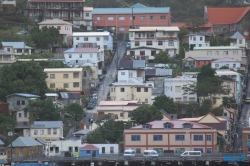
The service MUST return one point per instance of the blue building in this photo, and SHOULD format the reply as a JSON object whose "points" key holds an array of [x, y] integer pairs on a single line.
{"points": [[89, 151]]}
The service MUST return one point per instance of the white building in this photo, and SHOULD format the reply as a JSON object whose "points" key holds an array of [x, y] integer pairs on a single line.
{"points": [[18, 48], [148, 41], [79, 57], [229, 62], [239, 40], [65, 29], [102, 40], [173, 88], [57, 148], [87, 19], [130, 76], [196, 40]]}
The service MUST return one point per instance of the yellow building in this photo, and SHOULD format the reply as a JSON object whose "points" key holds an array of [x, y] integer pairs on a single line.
{"points": [[128, 91]]}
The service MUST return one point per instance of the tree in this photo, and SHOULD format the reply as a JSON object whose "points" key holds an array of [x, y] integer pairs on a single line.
{"points": [[43, 110], [6, 123], [165, 103], [74, 109], [146, 113], [229, 102], [183, 31], [26, 77], [219, 41], [162, 57], [195, 23]]}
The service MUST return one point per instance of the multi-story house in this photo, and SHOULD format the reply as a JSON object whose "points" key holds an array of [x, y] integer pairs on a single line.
{"points": [[195, 40], [80, 57], [6, 58], [175, 135], [71, 79], [10, 4], [67, 10], [218, 52], [121, 19], [87, 19], [229, 62], [17, 48], [47, 130], [176, 88], [195, 62], [101, 40], [65, 29], [148, 41]]}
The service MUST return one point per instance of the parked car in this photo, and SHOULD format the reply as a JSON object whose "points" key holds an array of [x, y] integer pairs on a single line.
{"points": [[92, 101], [150, 154], [94, 96], [191, 154], [90, 106], [129, 153]]}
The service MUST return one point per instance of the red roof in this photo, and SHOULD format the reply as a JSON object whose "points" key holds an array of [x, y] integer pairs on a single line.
{"points": [[89, 147], [226, 15], [183, 24]]}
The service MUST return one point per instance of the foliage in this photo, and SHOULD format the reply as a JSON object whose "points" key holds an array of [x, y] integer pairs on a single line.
{"points": [[45, 37], [183, 31], [177, 71], [165, 103], [146, 113], [43, 110], [6, 123], [224, 67], [195, 23], [26, 77], [219, 41], [82, 27], [42, 55], [110, 132], [222, 143], [52, 64], [218, 111], [74, 109], [162, 57], [229, 102]]}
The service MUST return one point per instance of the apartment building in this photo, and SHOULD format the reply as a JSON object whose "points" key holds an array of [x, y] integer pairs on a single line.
{"points": [[229, 62], [87, 19], [175, 88], [121, 19], [175, 135], [66, 10], [71, 79], [101, 40], [148, 41]]}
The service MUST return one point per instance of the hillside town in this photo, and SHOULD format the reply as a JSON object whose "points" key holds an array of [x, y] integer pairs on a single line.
{"points": [[80, 81]]}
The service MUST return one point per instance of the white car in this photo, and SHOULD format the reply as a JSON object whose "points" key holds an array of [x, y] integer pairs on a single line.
{"points": [[94, 96]]}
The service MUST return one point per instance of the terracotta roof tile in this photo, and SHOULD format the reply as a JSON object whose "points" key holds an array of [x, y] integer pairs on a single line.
{"points": [[226, 15], [89, 147]]}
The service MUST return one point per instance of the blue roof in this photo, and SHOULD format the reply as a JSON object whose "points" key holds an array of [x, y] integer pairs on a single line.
{"points": [[25, 142], [237, 35], [46, 124], [82, 132], [24, 95], [137, 10], [15, 45], [1, 142]]}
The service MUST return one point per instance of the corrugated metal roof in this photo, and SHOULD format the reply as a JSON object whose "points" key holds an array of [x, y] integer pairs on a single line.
{"points": [[62, 69], [79, 34], [150, 72], [225, 60], [15, 45], [146, 10], [126, 64], [72, 50], [46, 124], [138, 63], [159, 28], [25, 142], [70, 95], [40, 140], [51, 94], [163, 72], [3, 52], [117, 103], [237, 35], [82, 132], [54, 22], [1, 142], [24, 95]]}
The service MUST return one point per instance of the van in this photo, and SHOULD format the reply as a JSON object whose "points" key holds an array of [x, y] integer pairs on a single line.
{"points": [[129, 153], [191, 154], [150, 153]]}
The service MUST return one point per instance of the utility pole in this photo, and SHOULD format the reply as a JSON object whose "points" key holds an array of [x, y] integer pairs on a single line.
{"points": [[10, 133]]}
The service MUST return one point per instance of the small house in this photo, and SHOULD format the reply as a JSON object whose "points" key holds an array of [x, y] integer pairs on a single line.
{"points": [[89, 151]]}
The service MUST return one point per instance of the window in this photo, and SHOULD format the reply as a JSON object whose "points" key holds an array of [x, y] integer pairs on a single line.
{"points": [[41, 132], [132, 52], [112, 150], [145, 89], [121, 29], [160, 43], [123, 73], [163, 17], [137, 43], [240, 41], [179, 137], [200, 45], [178, 89], [131, 34], [18, 102], [121, 18], [142, 52], [198, 149], [35, 132], [209, 137], [75, 75], [209, 150], [19, 115], [131, 17], [65, 85], [201, 38], [179, 150], [122, 89], [138, 89], [135, 138], [70, 56], [25, 114], [97, 38], [152, 17], [235, 52], [87, 14], [49, 131], [20, 151], [198, 137], [91, 55], [153, 53], [145, 126], [86, 39], [99, 18], [216, 65], [209, 52], [59, 27], [80, 55], [216, 52], [75, 84], [54, 131], [23, 102], [225, 52], [149, 43], [234, 65], [8, 49], [52, 85], [167, 126], [110, 18], [143, 17], [65, 75], [157, 137], [52, 76], [186, 126], [170, 42]]}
